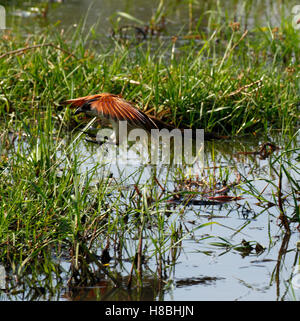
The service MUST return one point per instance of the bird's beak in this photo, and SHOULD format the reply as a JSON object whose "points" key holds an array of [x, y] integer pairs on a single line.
{"points": [[78, 111]]}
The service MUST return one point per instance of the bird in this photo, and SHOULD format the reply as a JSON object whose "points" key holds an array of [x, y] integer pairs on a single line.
{"points": [[112, 108]]}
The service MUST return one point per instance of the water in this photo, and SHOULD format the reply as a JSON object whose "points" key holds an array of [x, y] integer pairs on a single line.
{"points": [[207, 272], [177, 16], [203, 271]]}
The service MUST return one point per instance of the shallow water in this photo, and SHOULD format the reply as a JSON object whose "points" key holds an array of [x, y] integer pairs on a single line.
{"points": [[177, 17], [203, 271], [206, 272]]}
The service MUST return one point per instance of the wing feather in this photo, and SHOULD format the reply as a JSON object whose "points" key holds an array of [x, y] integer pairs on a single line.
{"points": [[78, 102], [114, 107], [125, 111], [120, 114]]}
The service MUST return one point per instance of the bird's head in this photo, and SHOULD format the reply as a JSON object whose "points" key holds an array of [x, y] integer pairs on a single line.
{"points": [[86, 105], [87, 108]]}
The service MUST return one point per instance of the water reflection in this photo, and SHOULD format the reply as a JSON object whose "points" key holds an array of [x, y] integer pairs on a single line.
{"points": [[220, 250], [70, 13], [243, 234]]}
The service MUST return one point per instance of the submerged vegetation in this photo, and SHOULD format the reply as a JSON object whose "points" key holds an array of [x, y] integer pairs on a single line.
{"points": [[65, 224]]}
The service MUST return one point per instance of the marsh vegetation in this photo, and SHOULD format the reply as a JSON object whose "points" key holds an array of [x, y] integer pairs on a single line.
{"points": [[73, 228]]}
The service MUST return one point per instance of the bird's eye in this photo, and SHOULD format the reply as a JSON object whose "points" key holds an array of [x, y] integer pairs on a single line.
{"points": [[86, 107]]}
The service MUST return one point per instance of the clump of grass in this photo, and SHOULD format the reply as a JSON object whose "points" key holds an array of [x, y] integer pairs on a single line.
{"points": [[284, 167], [52, 212], [232, 81]]}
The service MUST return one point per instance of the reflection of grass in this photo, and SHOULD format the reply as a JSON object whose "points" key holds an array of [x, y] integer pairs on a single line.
{"points": [[284, 167], [52, 212], [232, 82]]}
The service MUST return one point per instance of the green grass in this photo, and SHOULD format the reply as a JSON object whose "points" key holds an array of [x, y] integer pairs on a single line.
{"points": [[50, 211], [230, 83]]}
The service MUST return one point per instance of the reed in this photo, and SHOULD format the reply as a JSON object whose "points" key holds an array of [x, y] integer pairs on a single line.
{"points": [[227, 79]]}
